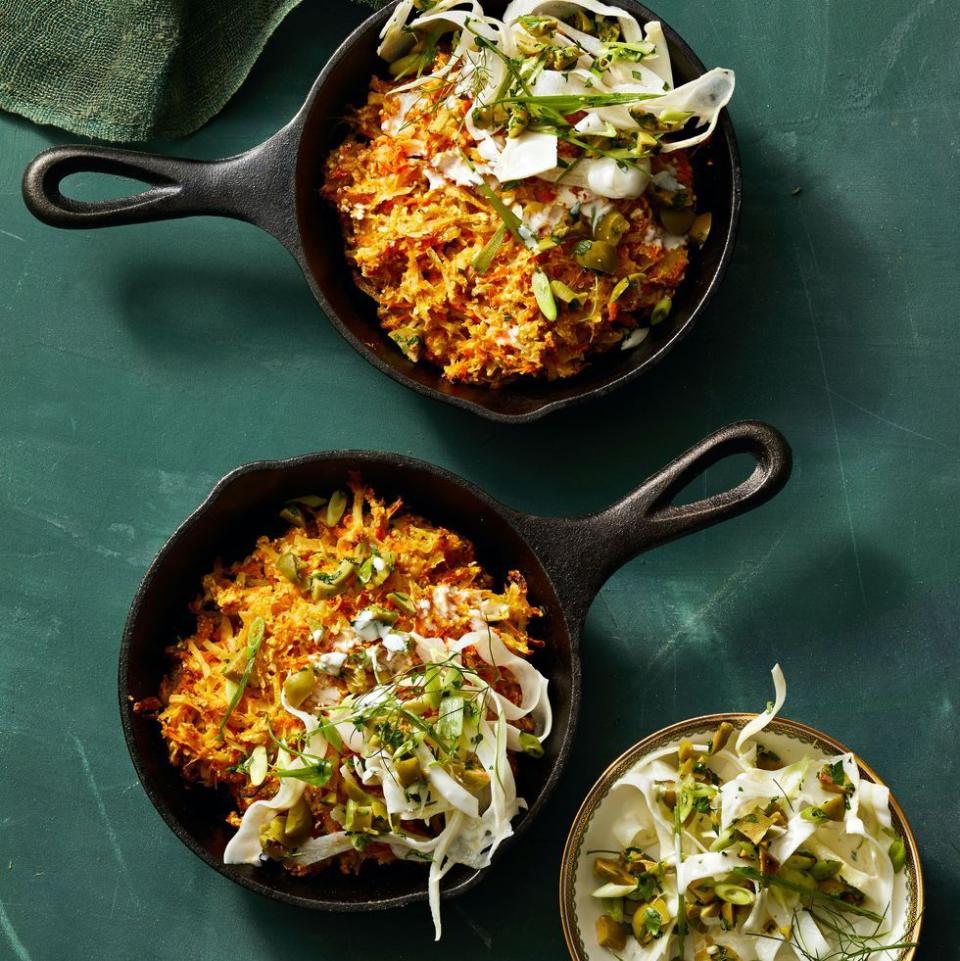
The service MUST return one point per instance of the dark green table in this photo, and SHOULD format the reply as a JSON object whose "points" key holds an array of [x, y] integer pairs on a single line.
{"points": [[138, 365]]}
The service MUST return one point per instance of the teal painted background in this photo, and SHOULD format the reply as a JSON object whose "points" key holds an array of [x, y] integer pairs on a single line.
{"points": [[138, 365]]}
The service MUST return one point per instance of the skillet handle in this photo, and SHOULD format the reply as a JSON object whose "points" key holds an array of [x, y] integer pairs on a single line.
{"points": [[581, 553], [256, 187], [647, 517]]}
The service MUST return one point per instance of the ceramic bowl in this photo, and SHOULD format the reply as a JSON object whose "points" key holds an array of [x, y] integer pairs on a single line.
{"points": [[592, 825]]}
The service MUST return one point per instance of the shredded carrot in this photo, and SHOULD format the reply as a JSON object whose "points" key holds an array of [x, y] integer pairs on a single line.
{"points": [[413, 237]]}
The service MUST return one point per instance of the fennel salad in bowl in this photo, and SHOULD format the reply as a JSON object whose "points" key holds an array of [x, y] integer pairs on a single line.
{"points": [[518, 197], [741, 838]]}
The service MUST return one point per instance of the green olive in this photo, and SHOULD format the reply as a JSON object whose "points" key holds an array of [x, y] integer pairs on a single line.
{"points": [[330, 585], [335, 508], [475, 781], [720, 737], [564, 58], [723, 841], [677, 222], [272, 839], [735, 894], [599, 255], [298, 687], [799, 879], [835, 807], [825, 870], [408, 771], [700, 228], [897, 852], [607, 869], [359, 817], [801, 861], [611, 934], [299, 824], [612, 227], [580, 20], [403, 601], [353, 789], [518, 120], [289, 567]]}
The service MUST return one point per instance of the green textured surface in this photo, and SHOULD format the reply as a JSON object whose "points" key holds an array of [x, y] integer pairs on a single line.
{"points": [[139, 365], [129, 69]]}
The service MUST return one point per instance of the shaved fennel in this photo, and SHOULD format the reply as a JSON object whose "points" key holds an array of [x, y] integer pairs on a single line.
{"points": [[717, 848]]}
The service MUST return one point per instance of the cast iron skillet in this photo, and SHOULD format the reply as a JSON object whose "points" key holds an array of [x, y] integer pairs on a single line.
{"points": [[565, 562], [274, 186]]}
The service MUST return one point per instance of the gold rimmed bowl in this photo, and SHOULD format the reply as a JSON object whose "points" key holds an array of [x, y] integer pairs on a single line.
{"points": [[591, 829]]}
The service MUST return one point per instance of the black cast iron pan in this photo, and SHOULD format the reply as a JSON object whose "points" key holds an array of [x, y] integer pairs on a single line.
{"points": [[565, 562], [274, 186]]}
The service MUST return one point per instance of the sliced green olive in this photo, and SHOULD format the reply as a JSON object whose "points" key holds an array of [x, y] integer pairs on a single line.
{"points": [[898, 854], [298, 687], [798, 879], [518, 120], [352, 788], [835, 807], [563, 58], [612, 227], [607, 869], [289, 567], [329, 585], [408, 771], [801, 861], [648, 920], [598, 255], [611, 934], [677, 222], [403, 601], [723, 841], [475, 781], [661, 311], [336, 507], [383, 615], [530, 744], [293, 515], [700, 228], [720, 737], [543, 292], [299, 824], [580, 20], [735, 894], [359, 817], [767, 760], [825, 870], [272, 839]]}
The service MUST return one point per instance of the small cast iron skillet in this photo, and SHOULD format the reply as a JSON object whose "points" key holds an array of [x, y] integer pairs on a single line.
{"points": [[274, 186], [565, 562]]}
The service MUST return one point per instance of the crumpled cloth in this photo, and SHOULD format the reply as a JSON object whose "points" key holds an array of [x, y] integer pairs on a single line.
{"points": [[131, 70]]}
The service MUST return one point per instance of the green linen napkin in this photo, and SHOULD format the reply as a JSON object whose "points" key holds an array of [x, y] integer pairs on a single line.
{"points": [[130, 70]]}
